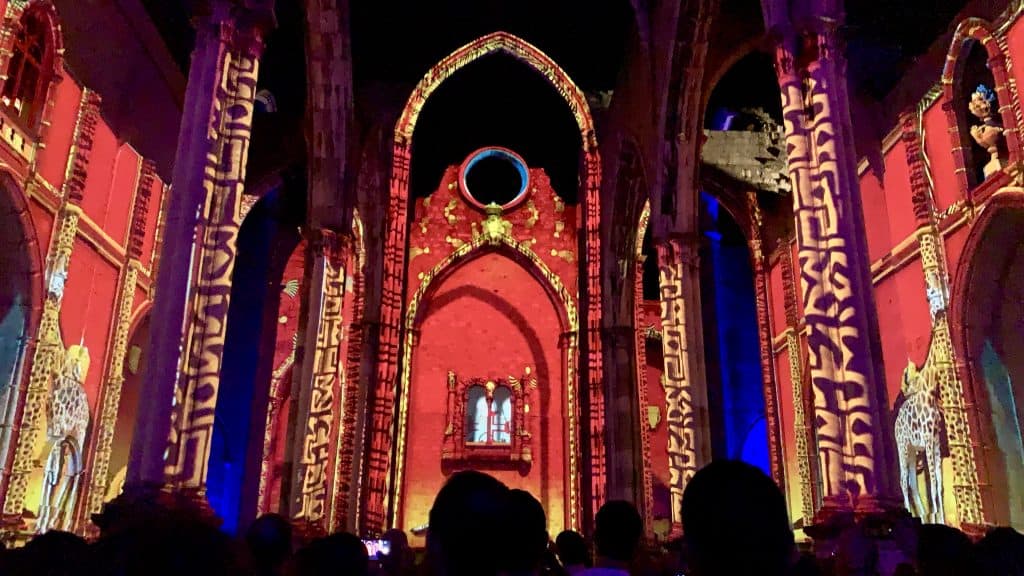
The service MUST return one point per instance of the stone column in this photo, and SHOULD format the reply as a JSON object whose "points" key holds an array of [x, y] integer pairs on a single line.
{"points": [[174, 428], [621, 435], [49, 349], [764, 323], [318, 388], [850, 408], [685, 401], [803, 405]]}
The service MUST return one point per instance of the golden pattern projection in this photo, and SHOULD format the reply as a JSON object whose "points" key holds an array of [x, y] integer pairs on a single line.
{"points": [[112, 390], [490, 44], [501, 241], [47, 360], [679, 410], [803, 432], [49, 351], [641, 370], [379, 474], [939, 369], [316, 450], [195, 397], [838, 348]]}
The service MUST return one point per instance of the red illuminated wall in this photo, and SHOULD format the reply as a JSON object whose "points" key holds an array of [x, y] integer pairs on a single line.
{"points": [[491, 315], [887, 191], [284, 368], [113, 210], [661, 512]]}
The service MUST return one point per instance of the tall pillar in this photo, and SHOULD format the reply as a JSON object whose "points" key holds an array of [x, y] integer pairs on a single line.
{"points": [[764, 324], [318, 388], [174, 425], [685, 401], [49, 349], [803, 404], [850, 409], [621, 435], [646, 502]]}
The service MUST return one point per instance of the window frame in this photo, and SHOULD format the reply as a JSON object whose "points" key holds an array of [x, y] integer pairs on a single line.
{"points": [[35, 100], [458, 452]]}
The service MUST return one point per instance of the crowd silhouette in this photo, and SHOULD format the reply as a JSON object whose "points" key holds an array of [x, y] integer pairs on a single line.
{"points": [[734, 523]]}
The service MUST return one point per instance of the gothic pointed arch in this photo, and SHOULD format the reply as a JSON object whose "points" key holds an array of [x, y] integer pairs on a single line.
{"points": [[981, 289], [379, 476]]}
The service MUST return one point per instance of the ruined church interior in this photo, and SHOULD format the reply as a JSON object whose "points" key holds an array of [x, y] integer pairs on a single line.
{"points": [[312, 258]]}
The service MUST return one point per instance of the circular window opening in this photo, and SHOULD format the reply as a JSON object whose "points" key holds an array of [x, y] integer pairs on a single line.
{"points": [[495, 176]]}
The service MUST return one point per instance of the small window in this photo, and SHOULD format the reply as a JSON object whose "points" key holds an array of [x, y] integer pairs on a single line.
{"points": [[28, 74], [489, 414], [488, 423]]}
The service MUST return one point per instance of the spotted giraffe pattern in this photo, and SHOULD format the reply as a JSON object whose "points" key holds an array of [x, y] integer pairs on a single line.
{"points": [[918, 432]]}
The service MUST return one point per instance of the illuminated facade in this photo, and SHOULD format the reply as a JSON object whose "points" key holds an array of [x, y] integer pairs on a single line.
{"points": [[497, 256]]}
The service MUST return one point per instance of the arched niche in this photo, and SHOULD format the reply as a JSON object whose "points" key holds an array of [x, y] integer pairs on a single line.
{"points": [[381, 494], [34, 64], [135, 361], [20, 306], [266, 239], [283, 372], [735, 382], [976, 57], [489, 313], [987, 312]]}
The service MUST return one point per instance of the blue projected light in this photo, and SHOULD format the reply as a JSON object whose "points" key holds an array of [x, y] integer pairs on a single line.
{"points": [[502, 154]]}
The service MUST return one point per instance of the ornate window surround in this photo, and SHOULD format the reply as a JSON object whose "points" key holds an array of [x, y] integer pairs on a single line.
{"points": [[457, 453]]}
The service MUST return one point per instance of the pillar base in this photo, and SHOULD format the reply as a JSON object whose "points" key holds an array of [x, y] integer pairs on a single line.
{"points": [[14, 530], [138, 506], [305, 531]]}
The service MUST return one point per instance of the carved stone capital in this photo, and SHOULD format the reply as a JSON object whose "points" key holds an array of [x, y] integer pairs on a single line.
{"points": [[241, 24]]}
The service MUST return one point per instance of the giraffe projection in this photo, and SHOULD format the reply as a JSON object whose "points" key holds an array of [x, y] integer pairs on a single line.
{"points": [[67, 420], [918, 432]]}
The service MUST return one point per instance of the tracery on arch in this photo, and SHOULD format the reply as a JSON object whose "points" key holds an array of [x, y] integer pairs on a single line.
{"points": [[981, 103], [34, 63], [380, 488]]}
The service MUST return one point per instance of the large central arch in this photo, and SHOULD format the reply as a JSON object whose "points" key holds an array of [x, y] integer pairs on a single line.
{"points": [[380, 476]]}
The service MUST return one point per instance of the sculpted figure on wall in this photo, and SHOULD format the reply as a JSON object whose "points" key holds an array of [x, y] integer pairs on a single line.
{"points": [[918, 433], [989, 133], [67, 413]]}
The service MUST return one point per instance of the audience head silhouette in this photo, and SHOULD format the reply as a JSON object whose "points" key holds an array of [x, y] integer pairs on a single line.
{"points": [[1000, 552], [572, 550], [528, 533], [942, 550], [618, 530], [735, 522], [339, 553], [468, 528], [270, 542]]}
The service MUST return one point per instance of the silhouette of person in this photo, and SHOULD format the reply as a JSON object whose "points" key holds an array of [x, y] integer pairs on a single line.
{"points": [[573, 552], [618, 530], [468, 528], [339, 553], [270, 544], [735, 522]]}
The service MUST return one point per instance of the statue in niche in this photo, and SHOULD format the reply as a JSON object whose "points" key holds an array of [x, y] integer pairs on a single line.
{"points": [[989, 133], [918, 432], [67, 419]]}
